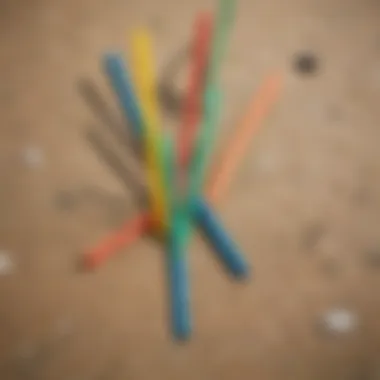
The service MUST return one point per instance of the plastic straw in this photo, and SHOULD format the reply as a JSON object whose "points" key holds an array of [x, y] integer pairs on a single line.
{"points": [[226, 164], [192, 109], [178, 272], [233, 154], [142, 56], [212, 99], [118, 75], [224, 20]]}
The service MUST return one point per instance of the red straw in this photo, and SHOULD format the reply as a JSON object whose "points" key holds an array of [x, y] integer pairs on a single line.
{"points": [[192, 111], [127, 234]]}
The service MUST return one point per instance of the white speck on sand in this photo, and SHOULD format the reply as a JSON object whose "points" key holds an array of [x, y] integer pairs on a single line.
{"points": [[339, 321], [33, 156], [6, 264], [267, 162]]}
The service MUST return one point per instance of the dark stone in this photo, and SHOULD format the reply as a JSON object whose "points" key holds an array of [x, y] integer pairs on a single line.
{"points": [[361, 196], [312, 235], [306, 63]]}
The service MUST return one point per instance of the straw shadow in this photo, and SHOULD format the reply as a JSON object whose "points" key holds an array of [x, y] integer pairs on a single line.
{"points": [[117, 129], [169, 97], [99, 107], [124, 173]]}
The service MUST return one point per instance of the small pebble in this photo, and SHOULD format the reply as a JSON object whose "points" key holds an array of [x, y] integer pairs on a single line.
{"points": [[361, 196], [306, 63], [66, 200], [7, 266], [339, 321], [33, 156], [312, 235], [372, 258]]}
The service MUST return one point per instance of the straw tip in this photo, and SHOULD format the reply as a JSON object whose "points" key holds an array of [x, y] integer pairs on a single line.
{"points": [[243, 272], [111, 59], [89, 262], [182, 335]]}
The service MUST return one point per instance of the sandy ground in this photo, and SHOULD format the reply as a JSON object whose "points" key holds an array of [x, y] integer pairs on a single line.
{"points": [[305, 206]]}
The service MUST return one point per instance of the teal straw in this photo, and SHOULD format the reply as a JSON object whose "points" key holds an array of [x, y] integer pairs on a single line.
{"points": [[199, 164], [169, 173], [212, 102], [177, 246], [224, 20]]}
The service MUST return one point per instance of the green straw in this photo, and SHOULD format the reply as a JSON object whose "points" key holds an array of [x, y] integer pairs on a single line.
{"points": [[212, 102], [223, 25], [211, 118], [169, 171]]}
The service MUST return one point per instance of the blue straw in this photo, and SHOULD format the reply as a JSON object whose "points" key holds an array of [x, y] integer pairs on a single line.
{"points": [[121, 83], [221, 242], [177, 245], [179, 277]]}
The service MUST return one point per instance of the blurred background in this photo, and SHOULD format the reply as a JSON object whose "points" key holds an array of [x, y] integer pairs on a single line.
{"points": [[304, 206]]}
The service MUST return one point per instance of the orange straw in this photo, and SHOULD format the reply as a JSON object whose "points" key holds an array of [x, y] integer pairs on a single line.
{"points": [[237, 148], [231, 156]]}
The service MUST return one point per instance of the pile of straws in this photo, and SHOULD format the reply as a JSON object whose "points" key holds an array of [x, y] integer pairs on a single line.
{"points": [[176, 164]]}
